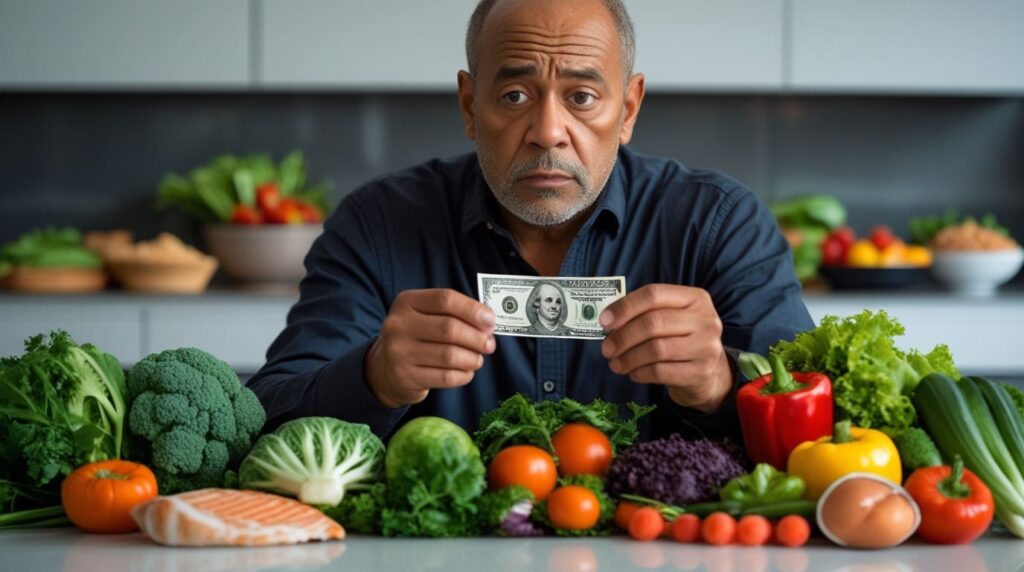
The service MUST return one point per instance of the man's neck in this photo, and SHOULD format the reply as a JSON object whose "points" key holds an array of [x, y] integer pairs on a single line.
{"points": [[544, 247]]}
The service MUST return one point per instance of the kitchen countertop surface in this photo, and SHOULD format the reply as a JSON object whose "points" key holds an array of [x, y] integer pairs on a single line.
{"points": [[71, 551]]}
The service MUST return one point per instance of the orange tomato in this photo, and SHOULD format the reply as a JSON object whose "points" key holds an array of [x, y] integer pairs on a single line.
{"points": [[99, 497], [582, 450], [573, 507], [525, 465]]}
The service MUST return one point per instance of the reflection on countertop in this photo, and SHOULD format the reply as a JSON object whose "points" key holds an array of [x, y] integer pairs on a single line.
{"points": [[71, 551]]}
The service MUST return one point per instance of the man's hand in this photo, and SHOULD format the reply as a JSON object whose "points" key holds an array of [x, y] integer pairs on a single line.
{"points": [[670, 335], [431, 339]]}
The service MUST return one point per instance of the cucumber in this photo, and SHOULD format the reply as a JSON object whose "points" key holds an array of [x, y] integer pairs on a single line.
{"points": [[944, 412]]}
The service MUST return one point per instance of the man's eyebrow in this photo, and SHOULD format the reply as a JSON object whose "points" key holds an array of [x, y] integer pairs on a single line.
{"points": [[512, 72]]}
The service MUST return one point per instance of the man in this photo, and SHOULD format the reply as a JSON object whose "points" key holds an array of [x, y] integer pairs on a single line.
{"points": [[547, 315], [388, 326]]}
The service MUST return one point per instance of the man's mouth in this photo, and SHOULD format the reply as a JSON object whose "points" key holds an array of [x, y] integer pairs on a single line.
{"points": [[548, 179]]}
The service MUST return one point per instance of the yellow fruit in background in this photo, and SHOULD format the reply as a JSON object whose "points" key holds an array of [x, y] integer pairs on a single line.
{"points": [[894, 255], [863, 254], [919, 256]]}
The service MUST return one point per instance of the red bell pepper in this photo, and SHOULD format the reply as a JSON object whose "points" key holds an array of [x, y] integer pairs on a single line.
{"points": [[780, 410], [956, 506]]}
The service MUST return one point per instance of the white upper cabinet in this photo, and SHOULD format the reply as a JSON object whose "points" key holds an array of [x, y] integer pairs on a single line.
{"points": [[728, 45], [362, 44], [908, 46], [124, 43]]}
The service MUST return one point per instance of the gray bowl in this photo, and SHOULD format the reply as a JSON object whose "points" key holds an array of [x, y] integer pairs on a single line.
{"points": [[262, 253]]}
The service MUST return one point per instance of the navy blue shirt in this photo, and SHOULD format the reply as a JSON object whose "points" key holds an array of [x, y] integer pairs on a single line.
{"points": [[437, 225]]}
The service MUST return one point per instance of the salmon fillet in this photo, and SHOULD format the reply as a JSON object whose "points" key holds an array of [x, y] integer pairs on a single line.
{"points": [[226, 517]]}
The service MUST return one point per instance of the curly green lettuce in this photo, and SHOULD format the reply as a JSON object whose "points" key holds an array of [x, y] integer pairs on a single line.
{"points": [[872, 379]]}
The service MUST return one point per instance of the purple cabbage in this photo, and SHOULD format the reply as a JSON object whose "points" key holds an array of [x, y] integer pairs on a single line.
{"points": [[517, 521], [675, 471]]}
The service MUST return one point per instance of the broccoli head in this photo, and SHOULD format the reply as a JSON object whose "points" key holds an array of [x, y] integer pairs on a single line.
{"points": [[191, 418]]}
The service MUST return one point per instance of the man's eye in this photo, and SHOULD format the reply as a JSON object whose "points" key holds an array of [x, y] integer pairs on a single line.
{"points": [[583, 98], [514, 97]]}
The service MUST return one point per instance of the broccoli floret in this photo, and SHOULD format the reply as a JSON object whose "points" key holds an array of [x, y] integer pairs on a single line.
{"points": [[191, 417], [916, 449]]}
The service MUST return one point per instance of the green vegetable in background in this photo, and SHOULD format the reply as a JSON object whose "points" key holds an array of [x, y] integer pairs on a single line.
{"points": [[212, 191], [519, 421], [916, 449], [191, 418], [924, 228], [315, 459], [61, 405], [434, 480], [872, 380], [806, 221], [49, 248], [763, 485]]}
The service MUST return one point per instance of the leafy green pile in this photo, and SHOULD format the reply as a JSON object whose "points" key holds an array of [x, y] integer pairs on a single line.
{"points": [[212, 191], [190, 418], [61, 405], [48, 248], [924, 228], [872, 379], [519, 421], [807, 220]]}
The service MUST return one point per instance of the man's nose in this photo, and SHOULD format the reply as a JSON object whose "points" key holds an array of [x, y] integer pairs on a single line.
{"points": [[547, 128]]}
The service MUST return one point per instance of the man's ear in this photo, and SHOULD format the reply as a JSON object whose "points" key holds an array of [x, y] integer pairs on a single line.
{"points": [[634, 97], [466, 103]]}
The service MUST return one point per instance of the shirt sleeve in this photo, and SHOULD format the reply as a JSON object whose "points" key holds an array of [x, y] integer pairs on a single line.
{"points": [[748, 271], [315, 366]]}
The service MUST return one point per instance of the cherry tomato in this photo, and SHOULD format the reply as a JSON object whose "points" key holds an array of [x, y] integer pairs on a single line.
{"points": [[582, 450], [833, 251], [525, 465], [845, 236], [882, 237], [573, 507]]}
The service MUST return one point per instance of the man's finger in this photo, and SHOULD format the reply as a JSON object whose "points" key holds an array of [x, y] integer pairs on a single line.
{"points": [[447, 302], [669, 349], [447, 356], [442, 378], [648, 298], [653, 324], [662, 372], [450, 330]]}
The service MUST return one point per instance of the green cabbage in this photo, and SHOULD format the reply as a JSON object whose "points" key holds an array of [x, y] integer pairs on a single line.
{"points": [[872, 380], [315, 459]]}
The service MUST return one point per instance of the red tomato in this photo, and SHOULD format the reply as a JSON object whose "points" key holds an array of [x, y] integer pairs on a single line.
{"points": [[845, 235], [582, 450], [573, 507], [526, 465], [882, 237], [246, 215], [268, 197], [833, 251], [288, 211]]}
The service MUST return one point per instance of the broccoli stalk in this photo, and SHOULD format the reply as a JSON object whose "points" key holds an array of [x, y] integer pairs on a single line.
{"points": [[316, 459]]}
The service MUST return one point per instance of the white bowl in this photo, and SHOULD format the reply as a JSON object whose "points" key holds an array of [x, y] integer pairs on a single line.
{"points": [[976, 272], [262, 253]]}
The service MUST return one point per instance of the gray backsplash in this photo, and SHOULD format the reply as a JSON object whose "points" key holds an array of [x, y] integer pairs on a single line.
{"points": [[94, 160]]}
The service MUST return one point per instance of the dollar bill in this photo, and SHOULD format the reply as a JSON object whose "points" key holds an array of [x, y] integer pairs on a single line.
{"points": [[543, 307]]}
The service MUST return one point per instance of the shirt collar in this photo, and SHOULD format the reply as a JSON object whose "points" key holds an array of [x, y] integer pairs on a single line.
{"points": [[480, 207]]}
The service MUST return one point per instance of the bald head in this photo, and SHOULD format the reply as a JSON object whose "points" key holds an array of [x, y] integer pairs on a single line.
{"points": [[617, 11]]}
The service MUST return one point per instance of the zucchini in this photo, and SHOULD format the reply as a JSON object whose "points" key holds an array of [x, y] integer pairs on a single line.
{"points": [[944, 412], [1006, 415]]}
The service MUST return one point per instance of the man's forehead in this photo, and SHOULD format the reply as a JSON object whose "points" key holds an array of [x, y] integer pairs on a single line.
{"points": [[576, 31]]}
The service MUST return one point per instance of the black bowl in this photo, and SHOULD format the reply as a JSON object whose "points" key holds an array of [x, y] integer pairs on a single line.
{"points": [[882, 278]]}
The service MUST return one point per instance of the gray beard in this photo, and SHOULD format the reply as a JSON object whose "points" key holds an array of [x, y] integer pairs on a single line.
{"points": [[533, 213]]}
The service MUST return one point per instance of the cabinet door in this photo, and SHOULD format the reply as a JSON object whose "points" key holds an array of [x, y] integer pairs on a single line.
{"points": [[124, 43], [734, 45], [362, 44], [924, 46]]}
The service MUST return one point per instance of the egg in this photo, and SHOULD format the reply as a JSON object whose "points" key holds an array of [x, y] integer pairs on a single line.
{"points": [[863, 510]]}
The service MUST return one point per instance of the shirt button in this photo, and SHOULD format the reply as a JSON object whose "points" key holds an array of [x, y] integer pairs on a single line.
{"points": [[490, 226], [512, 253], [549, 386]]}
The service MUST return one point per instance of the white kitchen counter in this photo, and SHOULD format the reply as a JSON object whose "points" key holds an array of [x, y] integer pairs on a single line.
{"points": [[238, 325], [70, 551]]}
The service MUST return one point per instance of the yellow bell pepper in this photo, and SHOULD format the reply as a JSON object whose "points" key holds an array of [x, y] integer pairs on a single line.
{"points": [[849, 450]]}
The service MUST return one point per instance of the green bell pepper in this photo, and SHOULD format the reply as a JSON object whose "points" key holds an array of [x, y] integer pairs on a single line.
{"points": [[764, 484]]}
